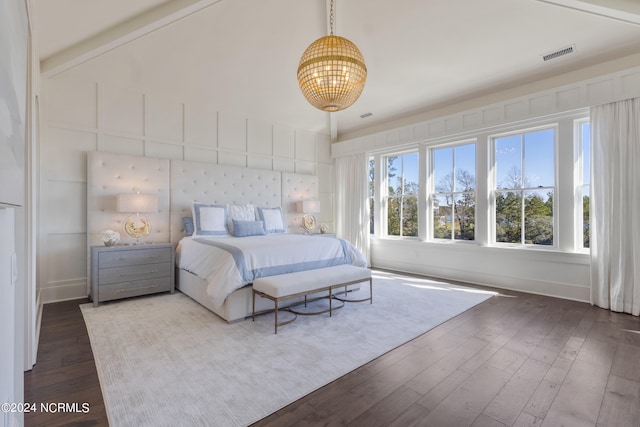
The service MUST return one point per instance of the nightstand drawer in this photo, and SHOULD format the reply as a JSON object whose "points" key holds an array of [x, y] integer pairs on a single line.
{"points": [[133, 289], [131, 273], [126, 257]]}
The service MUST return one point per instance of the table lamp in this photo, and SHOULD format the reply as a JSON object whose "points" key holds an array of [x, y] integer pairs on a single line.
{"points": [[137, 226], [308, 208]]}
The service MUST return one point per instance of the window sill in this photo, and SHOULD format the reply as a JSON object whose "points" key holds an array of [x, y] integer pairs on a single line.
{"points": [[529, 252]]}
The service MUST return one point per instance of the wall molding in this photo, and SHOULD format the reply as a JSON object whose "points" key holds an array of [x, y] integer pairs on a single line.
{"points": [[84, 116], [535, 106], [530, 286], [64, 290], [550, 273]]}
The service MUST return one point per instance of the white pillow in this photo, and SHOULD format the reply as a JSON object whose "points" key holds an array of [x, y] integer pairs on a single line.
{"points": [[273, 221], [240, 213], [209, 220]]}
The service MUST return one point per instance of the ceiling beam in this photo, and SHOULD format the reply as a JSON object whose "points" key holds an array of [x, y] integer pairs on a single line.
{"points": [[130, 30], [621, 10]]}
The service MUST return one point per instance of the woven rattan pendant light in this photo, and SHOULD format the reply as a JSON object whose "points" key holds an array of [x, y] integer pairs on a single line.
{"points": [[332, 72]]}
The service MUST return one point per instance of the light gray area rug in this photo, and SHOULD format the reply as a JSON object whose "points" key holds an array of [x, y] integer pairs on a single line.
{"points": [[166, 361]]}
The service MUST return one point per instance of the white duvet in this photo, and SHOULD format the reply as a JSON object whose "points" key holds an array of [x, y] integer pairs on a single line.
{"points": [[229, 263]]}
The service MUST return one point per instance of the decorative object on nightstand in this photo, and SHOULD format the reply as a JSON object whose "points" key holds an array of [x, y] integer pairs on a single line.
{"points": [[137, 226], [308, 208], [128, 271], [323, 228], [110, 237]]}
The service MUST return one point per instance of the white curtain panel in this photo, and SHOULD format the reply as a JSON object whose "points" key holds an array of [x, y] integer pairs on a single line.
{"points": [[615, 206], [352, 195]]}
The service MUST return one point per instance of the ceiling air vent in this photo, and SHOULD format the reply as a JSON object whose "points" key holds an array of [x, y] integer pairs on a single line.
{"points": [[559, 52], [362, 116]]}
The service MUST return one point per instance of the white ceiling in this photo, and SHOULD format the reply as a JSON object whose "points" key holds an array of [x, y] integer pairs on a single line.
{"points": [[421, 54]]}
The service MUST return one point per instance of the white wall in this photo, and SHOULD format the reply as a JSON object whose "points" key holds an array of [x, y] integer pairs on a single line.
{"points": [[8, 331], [14, 109], [563, 272], [85, 109]]}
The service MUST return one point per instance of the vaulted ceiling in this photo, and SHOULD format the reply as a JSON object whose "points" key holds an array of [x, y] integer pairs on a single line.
{"points": [[421, 54]]}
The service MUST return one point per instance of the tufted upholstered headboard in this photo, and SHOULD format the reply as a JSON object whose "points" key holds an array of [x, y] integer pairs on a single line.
{"points": [[211, 183], [108, 175], [178, 183]]}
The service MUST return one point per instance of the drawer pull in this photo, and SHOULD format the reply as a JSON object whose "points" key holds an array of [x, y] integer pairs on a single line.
{"points": [[137, 289], [153, 256], [137, 273]]}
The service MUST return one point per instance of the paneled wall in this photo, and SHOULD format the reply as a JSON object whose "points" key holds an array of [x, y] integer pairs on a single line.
{"points": [[83, 115]]}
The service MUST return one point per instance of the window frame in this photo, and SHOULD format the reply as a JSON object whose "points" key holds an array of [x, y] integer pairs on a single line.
{"points": [[384, 183], [494, 190], [373, 170], [580, 185], [433, 193], [564, 187]]}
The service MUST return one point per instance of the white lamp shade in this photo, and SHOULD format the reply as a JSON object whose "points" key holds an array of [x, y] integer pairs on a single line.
{"points": [[137, 203], [309, 206]]}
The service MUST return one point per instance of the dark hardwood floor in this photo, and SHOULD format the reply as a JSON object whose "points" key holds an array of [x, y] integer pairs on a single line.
{"points": [[515, 360], [65, 371]]}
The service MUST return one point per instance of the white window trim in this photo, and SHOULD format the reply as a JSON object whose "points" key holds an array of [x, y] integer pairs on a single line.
{"points": [[384, 199], [432, 193], [578, 184], [494, 190], [565, 222]]}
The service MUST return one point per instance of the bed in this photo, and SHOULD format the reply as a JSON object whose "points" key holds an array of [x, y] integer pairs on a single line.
{"points": [[178, 185], [223, 266], [207, 273]]}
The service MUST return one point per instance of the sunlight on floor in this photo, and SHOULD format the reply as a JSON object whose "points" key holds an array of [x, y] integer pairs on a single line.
{"points": [[416, 282]]}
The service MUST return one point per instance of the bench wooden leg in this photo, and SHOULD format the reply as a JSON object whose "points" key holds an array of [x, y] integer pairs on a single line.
{"points": [[253, 307], [330, 300]]}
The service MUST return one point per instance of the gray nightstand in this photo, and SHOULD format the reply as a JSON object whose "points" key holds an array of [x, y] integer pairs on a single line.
{"points": [[128, 271]]}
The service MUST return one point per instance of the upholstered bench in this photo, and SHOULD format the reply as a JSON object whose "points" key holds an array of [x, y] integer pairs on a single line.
{"points": [[303, 283]]}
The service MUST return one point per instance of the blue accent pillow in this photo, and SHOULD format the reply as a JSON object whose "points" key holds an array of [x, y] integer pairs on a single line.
{"points": [[273, 220], [187, 223], [209, 220], [248, 228]]}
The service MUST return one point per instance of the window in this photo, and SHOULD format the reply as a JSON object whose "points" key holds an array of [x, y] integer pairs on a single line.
{"points": [[372, 193], [525, 185], [402, 194], [454, 202], [498, 189], [584, 186]]}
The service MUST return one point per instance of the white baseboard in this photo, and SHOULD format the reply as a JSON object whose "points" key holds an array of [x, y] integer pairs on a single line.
{"points": [[39, 308], [528, 285], [64, 290]]}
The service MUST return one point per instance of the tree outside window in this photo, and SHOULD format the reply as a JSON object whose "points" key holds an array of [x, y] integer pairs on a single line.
{"points": [[455, 192], [525, 185], [402, 195], [372, 192], [585, 142]]}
